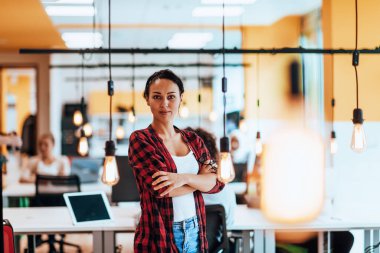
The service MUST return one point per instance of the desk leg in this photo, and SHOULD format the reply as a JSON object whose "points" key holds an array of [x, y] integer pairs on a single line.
{"points": [[376, 239], [247, 241], [31, 243], [270, 241], [328, 242], [109, 241], [258, 241], [320, 242], [367, 239], [97, 242]]}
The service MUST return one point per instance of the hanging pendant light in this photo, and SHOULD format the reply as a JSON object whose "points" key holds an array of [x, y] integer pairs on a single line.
{"points": [[87, 129], [131, 116], [358, 140], [82, 147], [213, 116], [110, 175], [83, 144], [226, 172], [293, 172], [259, 143], [132, 112], [199, 91], [333, 141], [77, 118], [184, 111], [120, 132]]}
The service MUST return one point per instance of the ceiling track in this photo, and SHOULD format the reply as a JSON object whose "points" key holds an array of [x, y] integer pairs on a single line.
{"points": [[145, 65], [284, 50]]}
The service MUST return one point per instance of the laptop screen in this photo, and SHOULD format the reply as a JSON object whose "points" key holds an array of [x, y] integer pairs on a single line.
{"points": [[88, 207], [86, 168]]}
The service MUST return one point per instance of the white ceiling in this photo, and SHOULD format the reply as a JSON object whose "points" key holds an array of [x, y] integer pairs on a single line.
{"points": [[176, 13]]}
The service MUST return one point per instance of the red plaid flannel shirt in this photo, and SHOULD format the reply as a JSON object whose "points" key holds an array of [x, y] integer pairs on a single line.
{"points": [[147, 155]]}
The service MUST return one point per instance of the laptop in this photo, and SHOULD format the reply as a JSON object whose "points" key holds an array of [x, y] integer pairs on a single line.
{"points": [[88, 208], [86, 168]]}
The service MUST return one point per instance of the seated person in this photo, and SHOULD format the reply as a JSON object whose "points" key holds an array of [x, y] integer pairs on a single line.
{"points": [[226, 197], [11, 140], [45, 163]]}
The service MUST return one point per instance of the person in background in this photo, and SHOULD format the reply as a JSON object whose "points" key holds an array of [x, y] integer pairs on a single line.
{"points": [[171, 167], [225, 197], [10, 140], [45, 163]]}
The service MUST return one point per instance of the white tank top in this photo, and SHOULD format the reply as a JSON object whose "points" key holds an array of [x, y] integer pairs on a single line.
{"points": [[48, 169], [184, 206]]}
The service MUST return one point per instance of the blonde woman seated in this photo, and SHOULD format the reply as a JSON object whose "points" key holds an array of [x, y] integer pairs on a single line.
{"points": [[45, 163]]}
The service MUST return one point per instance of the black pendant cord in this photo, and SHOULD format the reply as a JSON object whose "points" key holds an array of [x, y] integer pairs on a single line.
{"points": [[110, 121], [332, 96], [94, 22], [133, 91], [199, 90], [258, 91], [224, 48], [82, 91], [356, 48], [109, 38], [110, 89], [224, 80]]}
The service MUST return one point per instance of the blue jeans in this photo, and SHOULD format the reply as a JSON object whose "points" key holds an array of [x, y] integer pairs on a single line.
{"points": [[186, 235]]}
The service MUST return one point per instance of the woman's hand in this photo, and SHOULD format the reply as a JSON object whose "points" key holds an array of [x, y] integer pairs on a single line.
{"points": [[169, 180], [208, 167]]}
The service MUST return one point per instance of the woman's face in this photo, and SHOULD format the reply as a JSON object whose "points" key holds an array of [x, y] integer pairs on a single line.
{"points": [[164, 100], [45, 146]]}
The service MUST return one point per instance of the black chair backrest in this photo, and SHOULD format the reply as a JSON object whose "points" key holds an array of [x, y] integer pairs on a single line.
{"points": [[50, 189], [216, 230], [126, 189], [240, 172]]}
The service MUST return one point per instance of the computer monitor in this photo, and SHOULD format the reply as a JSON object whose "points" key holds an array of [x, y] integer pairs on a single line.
{"points": [[126, 189], [86, 168]]}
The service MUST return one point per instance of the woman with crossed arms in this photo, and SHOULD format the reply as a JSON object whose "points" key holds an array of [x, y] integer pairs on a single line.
{"points": [[172, 167]]}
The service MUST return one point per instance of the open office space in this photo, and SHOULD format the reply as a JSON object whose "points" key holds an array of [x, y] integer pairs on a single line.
{"points": [[286, 90]]}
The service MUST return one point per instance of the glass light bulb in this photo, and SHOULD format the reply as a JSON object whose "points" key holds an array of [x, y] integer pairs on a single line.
{"points": [[83, 146], [120, 133], [110, 174], [226, 172], [358, 141], [243, 126], [131, 117], [259, 146], [333, 146], [213, 116], [78, 118], [184, 112], [87, 128], [293, 175]]}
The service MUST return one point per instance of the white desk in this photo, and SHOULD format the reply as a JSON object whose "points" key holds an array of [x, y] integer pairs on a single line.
{"points": [[248, 220], [29, 189], [57, 220], [37, 220]]}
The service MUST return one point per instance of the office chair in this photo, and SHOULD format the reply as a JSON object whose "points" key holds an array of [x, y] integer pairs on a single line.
{"points": [[126, 189], [9, 243], [216, 229], [49, 192]]}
